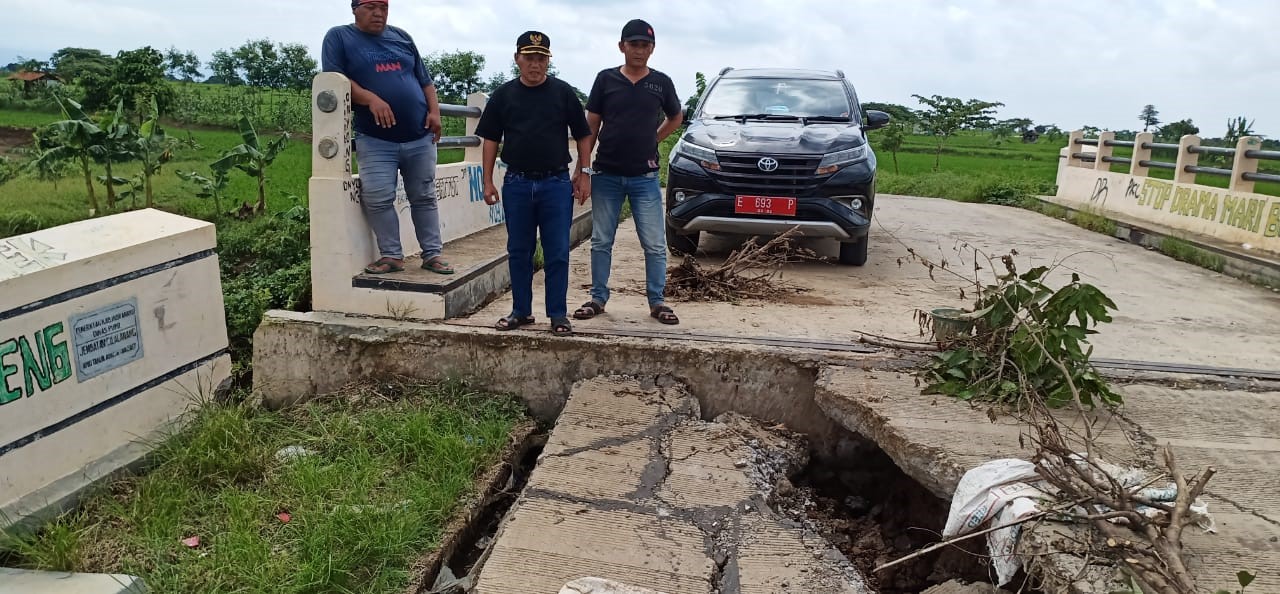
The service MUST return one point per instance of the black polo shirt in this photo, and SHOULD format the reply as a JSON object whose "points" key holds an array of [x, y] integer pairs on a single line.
{"points": [[533, 123], [631, 113]]}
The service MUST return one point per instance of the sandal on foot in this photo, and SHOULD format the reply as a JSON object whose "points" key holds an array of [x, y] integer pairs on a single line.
{"points": [[437, 265], [561, 326], [512, 321], [385, 265], [664, 314], [588, 310]]}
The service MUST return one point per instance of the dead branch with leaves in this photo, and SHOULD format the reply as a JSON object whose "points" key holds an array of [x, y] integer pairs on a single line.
{"points": [[750, 272]]}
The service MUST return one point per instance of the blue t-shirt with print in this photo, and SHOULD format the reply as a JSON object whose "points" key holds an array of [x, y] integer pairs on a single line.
{"points": [[389, 66]]}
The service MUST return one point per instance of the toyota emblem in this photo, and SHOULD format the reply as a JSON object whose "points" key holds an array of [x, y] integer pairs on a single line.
{"points": [[767, 164]]}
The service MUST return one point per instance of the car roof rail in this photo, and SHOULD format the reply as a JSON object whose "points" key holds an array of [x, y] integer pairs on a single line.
{"points": [[840, 73], [725, 69]]}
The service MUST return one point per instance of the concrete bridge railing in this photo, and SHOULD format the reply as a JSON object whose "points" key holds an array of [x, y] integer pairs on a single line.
{"points": [[1235, 215], [342, 243]]}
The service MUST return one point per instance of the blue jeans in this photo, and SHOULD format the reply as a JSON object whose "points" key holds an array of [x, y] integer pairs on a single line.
{"points": [[607, 194], [531, 206], [379, 162]]}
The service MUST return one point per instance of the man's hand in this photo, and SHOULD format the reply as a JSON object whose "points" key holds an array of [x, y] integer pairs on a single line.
{"points": [[491, 193], [433, 125], [382, 114], [581, 187]]}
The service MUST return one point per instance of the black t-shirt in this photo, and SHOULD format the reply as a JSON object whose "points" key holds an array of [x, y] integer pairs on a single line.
{"points": [[630, 113], [533, 123]]}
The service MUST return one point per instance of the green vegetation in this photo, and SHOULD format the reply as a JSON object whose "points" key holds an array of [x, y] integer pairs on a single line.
{"points": [[1028, 340], [375, 476], [1185, 252]]}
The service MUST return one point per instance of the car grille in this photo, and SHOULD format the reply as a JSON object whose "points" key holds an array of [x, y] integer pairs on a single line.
{"points": [[740, 174]]}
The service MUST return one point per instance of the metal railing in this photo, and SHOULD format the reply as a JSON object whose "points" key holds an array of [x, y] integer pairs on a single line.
{"points": [[459, 111], [1187, 152]]}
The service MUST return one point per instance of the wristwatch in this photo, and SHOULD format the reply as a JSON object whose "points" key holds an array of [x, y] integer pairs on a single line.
{"points": [[588, 171]]}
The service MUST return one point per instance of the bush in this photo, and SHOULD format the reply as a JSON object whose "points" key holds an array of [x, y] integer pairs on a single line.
{"points": [[19, 222], [265, 265]]}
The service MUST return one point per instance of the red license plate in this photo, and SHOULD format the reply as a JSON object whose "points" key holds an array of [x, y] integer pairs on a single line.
{"points": [[765, 205]]}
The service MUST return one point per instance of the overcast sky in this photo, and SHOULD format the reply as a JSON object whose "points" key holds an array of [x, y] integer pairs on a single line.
{"points": [[1070, 63]]}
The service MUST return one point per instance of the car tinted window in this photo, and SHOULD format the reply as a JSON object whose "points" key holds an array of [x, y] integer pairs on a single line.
{"points": [[797, 97]]}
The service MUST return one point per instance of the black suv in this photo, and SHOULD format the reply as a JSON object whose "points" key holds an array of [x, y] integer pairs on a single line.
{"points": [[767, 150]]}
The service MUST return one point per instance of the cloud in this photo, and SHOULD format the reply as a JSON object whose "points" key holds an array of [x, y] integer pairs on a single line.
{"points": [[1091, 62]]}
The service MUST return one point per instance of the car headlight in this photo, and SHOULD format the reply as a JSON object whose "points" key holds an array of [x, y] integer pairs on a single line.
{"points": [[698, 154], [832, 162]]}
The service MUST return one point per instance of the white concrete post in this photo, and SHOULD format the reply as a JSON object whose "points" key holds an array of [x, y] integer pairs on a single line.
{"points": [[1186, 158], [1243, 164], [1100, 164], [1073, 148], [474, 154], [1140, 154]]}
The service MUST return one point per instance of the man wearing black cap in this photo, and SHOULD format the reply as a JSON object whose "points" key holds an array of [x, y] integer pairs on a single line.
{"points": [[530, 116], [623, 110], [397, 122]]}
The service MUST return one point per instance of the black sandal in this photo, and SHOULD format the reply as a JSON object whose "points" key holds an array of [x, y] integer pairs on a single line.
{"points": [[588, 310], [512, 321], [561, 327], [664, 314]]}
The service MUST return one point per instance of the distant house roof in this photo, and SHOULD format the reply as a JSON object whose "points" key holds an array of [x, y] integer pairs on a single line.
{"points": [[33, 76]]}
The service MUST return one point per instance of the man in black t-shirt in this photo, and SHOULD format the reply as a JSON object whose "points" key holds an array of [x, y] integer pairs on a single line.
{"points": [[624, 110], [531, 116]]}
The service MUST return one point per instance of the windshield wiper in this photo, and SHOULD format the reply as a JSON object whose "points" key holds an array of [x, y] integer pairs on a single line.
{"points": [[828, 118], [757, 116]]}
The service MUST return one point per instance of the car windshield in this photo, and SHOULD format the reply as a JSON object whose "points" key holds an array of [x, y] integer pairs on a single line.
{"points": [[760, 97]]}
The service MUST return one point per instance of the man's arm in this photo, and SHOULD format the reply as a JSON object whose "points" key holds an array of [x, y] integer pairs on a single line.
{"points": [[433, 111], [581, 181], [593, 122], [333, 59], [382, 114], [487, 162], [669, 125]]}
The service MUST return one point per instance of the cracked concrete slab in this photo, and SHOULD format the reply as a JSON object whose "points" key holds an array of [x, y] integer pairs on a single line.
{"points": [[935, 439], [634, 489]]}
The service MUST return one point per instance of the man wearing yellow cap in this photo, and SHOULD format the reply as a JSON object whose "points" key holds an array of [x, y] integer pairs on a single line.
{"points": [[397, 122]]}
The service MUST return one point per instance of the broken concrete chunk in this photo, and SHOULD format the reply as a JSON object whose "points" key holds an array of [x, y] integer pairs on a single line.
{"points": [[595, 585], [956, 587]]}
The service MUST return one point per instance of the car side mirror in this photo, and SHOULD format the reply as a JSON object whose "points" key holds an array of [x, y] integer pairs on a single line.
{"points": [[876, 119]]}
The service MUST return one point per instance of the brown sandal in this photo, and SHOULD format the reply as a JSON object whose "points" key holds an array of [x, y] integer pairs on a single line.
{"points": [[385, 265], [664, 314], [588, 310]]}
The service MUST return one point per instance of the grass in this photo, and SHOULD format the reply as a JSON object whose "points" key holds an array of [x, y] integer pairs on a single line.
{"points": [[1185, 252], [388, 469]]}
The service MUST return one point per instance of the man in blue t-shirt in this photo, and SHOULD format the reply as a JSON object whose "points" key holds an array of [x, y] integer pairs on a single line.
{"points": [[397, 122]]}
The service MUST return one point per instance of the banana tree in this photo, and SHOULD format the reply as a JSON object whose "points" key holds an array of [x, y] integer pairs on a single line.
{"points": [[118, 143], [154, 148], [207, 187], [74, 138], [252, 158]]}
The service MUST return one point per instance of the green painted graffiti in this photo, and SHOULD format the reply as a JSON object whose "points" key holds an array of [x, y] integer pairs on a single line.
{"points": [[27, 371]]}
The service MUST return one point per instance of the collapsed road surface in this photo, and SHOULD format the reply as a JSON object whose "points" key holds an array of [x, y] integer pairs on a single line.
{"points": [[633, 487]]}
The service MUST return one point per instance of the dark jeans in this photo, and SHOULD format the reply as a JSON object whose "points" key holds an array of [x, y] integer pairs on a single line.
{"points": [[533, 206]]}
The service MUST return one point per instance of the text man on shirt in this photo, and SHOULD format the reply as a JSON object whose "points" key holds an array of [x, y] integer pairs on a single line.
{"points": [[623, 111], [397, 122], [532, 117]]}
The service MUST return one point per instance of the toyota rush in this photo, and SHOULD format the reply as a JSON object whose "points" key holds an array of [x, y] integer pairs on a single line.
{"points": [[767, 150]]}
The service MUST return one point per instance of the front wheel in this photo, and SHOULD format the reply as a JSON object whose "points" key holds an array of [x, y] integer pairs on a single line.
{"points": [[854, 253], [682, 245]]}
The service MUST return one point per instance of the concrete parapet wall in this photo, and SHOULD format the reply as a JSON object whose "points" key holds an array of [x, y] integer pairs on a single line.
{"points": [[1232, 217], [341, 241], [110, 329]]}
